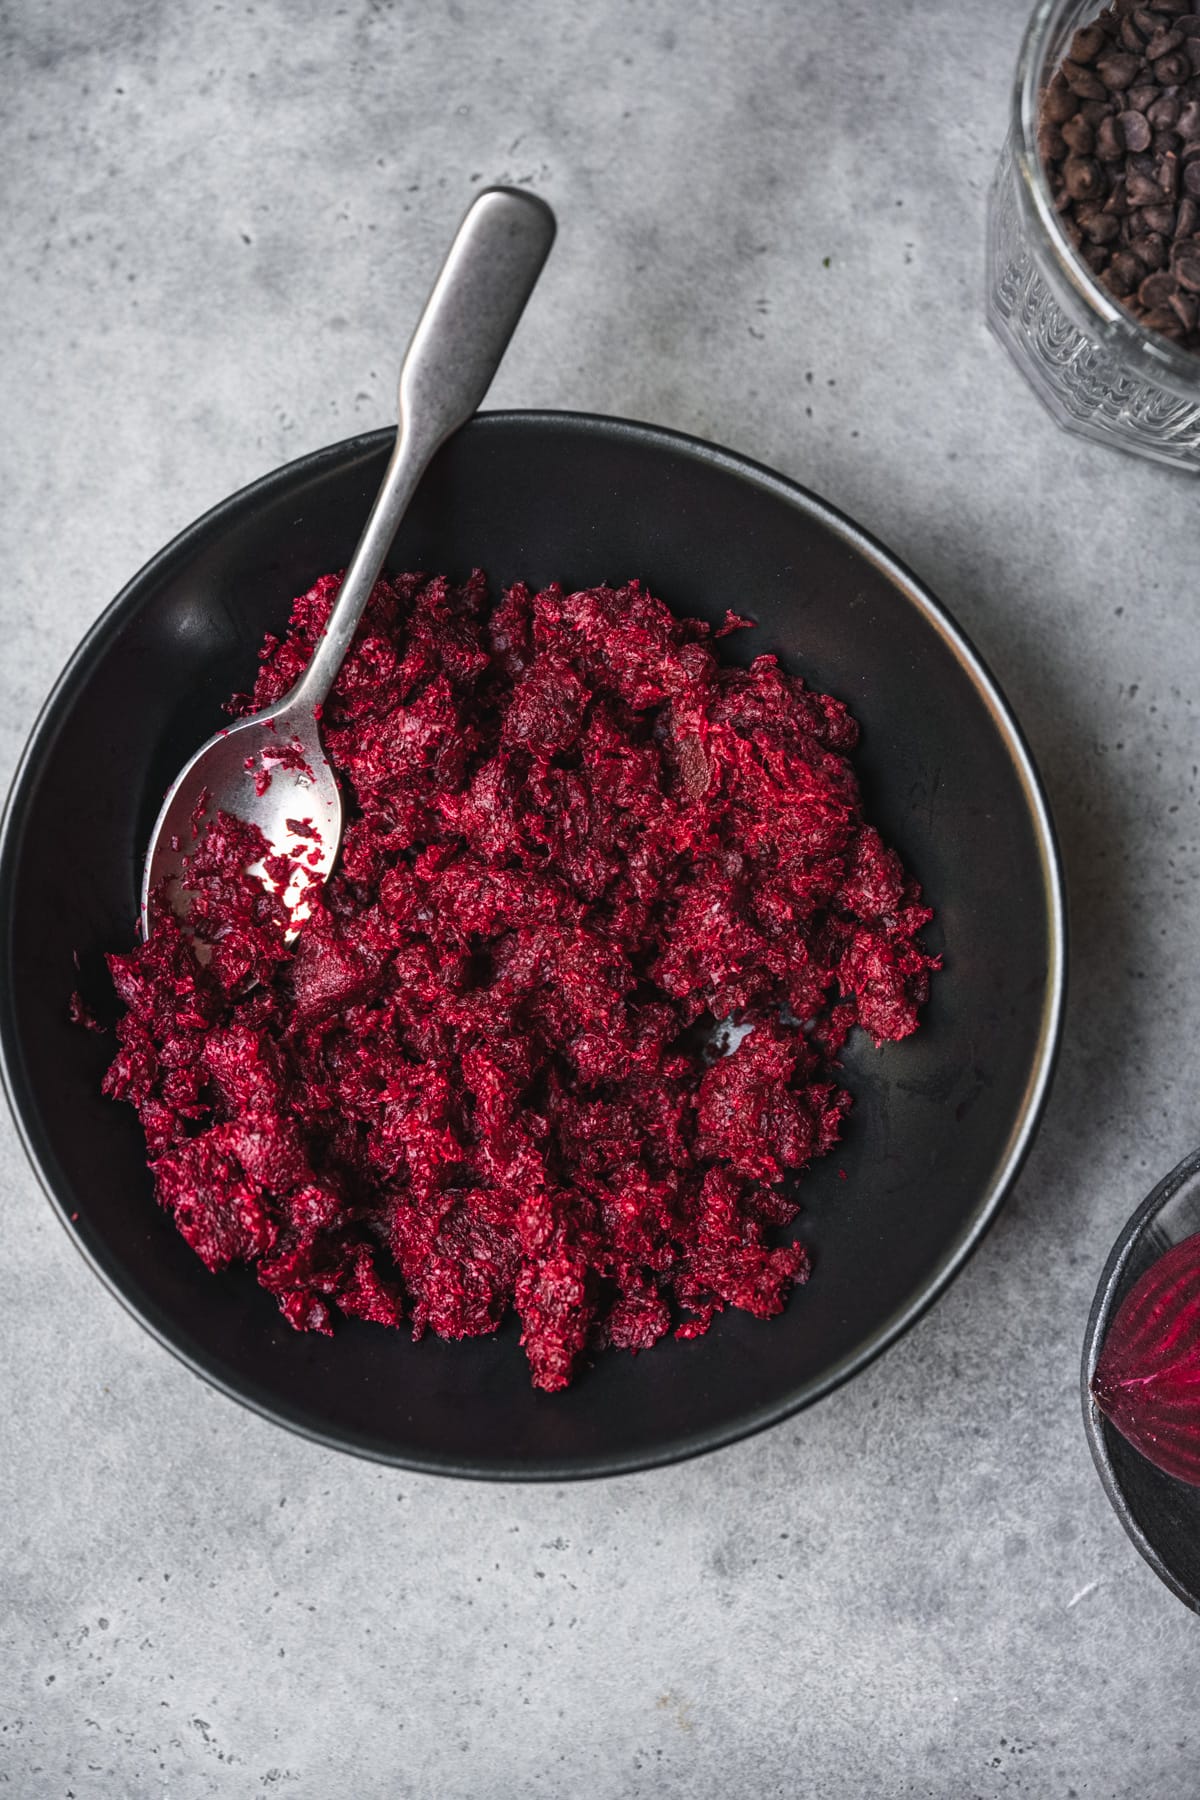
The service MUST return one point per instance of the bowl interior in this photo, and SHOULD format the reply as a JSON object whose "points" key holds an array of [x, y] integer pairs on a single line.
{"points": [[1160, 1513], [939, 1122]]}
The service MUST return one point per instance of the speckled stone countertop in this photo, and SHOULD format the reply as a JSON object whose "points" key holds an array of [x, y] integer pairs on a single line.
{"points": [[220, 222]]}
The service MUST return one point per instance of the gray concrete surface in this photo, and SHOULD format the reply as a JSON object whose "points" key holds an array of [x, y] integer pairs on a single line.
{"points": [[219, 220]]}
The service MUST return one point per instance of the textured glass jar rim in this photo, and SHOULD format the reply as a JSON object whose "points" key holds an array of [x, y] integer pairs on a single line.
{"points": [[1110, 324]]}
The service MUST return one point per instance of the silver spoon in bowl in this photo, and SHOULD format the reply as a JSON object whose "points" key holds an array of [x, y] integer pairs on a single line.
{"points": [[270, 769]]}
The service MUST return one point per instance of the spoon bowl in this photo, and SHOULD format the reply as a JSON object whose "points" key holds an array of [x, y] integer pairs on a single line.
{"points": [[271, 771], [1160, 1513]]}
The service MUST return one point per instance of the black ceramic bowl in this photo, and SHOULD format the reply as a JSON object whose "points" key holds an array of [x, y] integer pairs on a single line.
{"points": [[941, 1121], [1160, 1513]]}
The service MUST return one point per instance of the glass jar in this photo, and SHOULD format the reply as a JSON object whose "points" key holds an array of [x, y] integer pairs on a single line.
{"points": [[1091, 363]]}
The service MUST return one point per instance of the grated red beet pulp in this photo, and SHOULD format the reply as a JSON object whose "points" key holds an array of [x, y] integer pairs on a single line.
{"points": [[483, 1078]]}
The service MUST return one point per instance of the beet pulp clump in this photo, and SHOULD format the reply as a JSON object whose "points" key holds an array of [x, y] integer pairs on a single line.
{"points": [[483, 1077]]}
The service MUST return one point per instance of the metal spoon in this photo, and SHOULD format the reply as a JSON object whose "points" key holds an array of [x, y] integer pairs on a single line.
{"points": [[271, 768]]}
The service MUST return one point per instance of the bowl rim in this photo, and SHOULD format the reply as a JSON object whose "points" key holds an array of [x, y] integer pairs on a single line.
{"points": [[677, 1448], [1110, 1290]]}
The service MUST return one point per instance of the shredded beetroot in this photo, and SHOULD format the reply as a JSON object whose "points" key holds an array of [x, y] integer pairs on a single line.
{"points": [[484, 1076]]}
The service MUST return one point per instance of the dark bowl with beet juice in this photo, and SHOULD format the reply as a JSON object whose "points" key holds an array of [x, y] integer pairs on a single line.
{"points": [[940, 1121]]}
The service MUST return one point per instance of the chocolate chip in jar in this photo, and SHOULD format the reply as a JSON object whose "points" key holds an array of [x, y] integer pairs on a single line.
{"points": [[1119, 139]]}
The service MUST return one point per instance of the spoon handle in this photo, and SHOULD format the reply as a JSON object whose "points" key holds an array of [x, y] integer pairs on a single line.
{"points": [[462, 334]]}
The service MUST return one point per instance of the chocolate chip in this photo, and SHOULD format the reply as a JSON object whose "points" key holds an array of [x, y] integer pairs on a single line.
{"points": [[1164, 319], [1163, 114], [1050, 142], [1188, 122], [1058, 103], [1143, 190], [1160, 219], [1186, 308], [1131, 37], [1079, 136], [1135, 130], [1172, 69], [1150, 250], [1185, 264], [1109, 146], [1191, 179], [1116, 69], [1163, 43], [1126, 271], [1101, 227], [1084, 179], [1156, 290], [1087, 43], [1088, 84], [1140, 98], [1117, 201], [1188, 217], [1095, 256]]}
